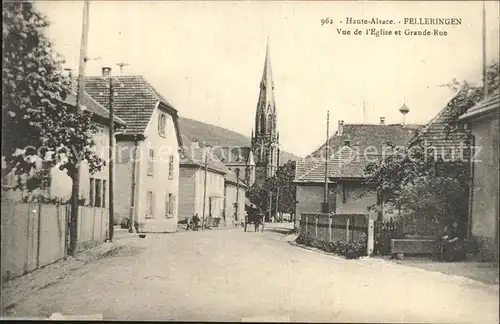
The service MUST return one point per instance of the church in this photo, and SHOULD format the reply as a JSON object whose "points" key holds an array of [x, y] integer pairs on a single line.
{"points": [[260, 160]]}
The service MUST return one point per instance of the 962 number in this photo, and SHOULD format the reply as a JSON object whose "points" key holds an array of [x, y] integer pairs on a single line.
{"points": [[326, 21]]}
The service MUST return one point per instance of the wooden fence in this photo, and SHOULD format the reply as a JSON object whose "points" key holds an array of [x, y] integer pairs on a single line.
{"points": [[335, 227], [35, 235], [384, 232]]}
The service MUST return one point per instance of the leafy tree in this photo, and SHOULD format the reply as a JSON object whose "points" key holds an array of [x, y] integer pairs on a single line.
{"points": [[283, 179], [36, 123], [39, 129], [418, 180]]}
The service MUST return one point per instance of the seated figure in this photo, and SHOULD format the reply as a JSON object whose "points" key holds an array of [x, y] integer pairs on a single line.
{"points": [[451, 247]]}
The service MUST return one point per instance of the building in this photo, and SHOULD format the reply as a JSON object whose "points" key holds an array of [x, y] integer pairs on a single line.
{"points": [[202, 187], [235, 197], [265, 136], [147, 153], [482, 120], [350, 150], [261, 159], [93, 187], [237, 159]]}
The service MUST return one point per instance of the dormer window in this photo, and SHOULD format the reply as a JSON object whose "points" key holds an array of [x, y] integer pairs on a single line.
{"points": [[162, 124]]}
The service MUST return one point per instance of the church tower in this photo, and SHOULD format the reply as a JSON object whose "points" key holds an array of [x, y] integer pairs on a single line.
{"points": [[265, 138]]}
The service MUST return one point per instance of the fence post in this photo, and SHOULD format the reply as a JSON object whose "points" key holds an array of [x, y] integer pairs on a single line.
{"points": [[316, 226], [330, 227], [347, 229], [305, 222], [370, 239]]}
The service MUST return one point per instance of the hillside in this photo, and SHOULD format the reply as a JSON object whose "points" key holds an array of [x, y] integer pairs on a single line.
{"points": [[215, 135]]}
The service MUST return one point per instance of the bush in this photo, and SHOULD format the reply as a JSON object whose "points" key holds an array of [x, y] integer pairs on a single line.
{"points": [[351, 250]]}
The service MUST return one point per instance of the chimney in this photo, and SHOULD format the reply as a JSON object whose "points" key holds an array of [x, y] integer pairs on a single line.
{"points": [[382, 120], [106, 71], [340, 129]]}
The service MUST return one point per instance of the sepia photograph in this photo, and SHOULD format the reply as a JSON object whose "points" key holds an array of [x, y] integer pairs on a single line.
{"points": [[250, 161]]}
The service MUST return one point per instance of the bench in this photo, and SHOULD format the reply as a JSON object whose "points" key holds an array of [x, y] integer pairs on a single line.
{"points": [[413, 246]]}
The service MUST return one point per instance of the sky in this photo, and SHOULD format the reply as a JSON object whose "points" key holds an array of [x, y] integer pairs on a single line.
{"points": [[207, 58]]}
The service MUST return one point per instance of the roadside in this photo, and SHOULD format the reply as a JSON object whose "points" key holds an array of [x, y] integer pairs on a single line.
{"points": [[19, 288], [486, 273]]}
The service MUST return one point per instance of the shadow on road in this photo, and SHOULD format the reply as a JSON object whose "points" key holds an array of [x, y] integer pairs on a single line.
{"points": [[279, 230]]}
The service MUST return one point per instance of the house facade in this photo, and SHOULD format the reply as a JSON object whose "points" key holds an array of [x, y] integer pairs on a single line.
{"points": [[350, 150], [483, 122], [147, 153], [201, 191], [93, 187], [235, 195]]}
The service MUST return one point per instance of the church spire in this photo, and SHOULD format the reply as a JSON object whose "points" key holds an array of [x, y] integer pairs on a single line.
{"points": [[265, 116]]}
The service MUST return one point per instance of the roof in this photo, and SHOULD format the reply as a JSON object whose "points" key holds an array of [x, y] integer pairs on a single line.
{"points": [[195, 158], [490, 104], [231, 178], [437, 132], [233, 155], [134, 102], [90, 103], [371, 135], [366, 145], [92, 106]]}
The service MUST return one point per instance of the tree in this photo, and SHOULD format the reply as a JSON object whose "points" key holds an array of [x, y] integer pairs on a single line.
{"points": [[36, 123], [283, 179], [421, 182]]}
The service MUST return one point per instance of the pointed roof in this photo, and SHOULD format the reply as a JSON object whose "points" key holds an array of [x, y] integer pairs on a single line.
{"points": [[266, 97]]}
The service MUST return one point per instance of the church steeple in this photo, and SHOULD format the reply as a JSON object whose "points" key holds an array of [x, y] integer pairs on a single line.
{"points": [[264, 140], [265, 117]]}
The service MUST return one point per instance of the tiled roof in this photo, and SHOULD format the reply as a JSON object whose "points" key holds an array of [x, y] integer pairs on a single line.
{"points": [[374, 136], [92, 106], [491, 103], [366, 144], [134, 102], [195, 157], [437, 132]]}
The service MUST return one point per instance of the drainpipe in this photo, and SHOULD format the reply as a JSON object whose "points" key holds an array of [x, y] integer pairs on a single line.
{"points": [[132, 196]]}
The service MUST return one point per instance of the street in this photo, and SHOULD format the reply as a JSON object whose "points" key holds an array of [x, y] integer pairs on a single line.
{"points": [[230, 275]]}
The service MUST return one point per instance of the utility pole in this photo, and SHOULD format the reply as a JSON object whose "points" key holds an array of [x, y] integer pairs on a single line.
{"points": [[485, 80], [111, 159], [277, 201], [204, 191], [75, 190], [326, 208], [364, 113], [237, 193], [270, 206]]}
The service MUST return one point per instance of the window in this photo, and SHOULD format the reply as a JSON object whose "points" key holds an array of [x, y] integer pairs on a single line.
{"points": [[171, 166], [91, 192], [162, 124], [151, 159], [104, 193], [151, 205], [98, 193], [169, 204]]}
